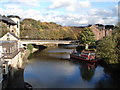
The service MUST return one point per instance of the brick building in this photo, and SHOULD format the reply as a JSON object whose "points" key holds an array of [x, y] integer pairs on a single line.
{"points": [[101, 31]]}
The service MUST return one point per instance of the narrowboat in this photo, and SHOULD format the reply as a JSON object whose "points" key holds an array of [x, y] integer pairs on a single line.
{"points": [[89, 56]]}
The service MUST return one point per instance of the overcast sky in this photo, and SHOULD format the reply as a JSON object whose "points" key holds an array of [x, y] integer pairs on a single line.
{"points": [[64, 12]]}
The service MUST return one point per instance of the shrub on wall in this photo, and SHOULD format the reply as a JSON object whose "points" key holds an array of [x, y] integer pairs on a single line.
{"points": [[30, 47]]}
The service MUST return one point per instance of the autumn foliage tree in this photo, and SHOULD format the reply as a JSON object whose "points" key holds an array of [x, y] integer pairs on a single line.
{"points": [[32, 29]]}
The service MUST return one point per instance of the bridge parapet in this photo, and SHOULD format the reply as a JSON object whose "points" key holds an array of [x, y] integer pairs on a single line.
{"points": [[42, 42]]}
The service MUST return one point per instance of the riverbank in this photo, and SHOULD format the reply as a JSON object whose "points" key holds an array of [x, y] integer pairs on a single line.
{"points": [[25, 58]]}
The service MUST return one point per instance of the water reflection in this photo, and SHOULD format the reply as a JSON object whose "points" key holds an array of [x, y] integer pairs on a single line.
{"points": [[69, 46], [47, 70], [60, 53], [87, 71], [49, 73]]}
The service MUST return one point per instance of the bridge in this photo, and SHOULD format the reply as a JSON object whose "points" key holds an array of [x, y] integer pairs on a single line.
{"points": [[43, 42]]}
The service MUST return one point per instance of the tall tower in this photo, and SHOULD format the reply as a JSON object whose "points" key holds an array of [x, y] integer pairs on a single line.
{"points": [[16, 28]]}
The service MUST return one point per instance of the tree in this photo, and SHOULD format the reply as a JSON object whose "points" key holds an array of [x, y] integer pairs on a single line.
{"points": [[30, 47], [109, 47], [3, 29], [87, 37], [106, 49], [32, 29]]}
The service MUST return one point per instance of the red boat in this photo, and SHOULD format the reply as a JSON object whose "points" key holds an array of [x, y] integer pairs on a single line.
{"points": [[89, 56]]}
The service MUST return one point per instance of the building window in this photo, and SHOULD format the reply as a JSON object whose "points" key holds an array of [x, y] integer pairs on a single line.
{"points": [[8, 38], [4, 50]]}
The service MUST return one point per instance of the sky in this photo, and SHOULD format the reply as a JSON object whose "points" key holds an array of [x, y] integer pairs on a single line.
{"points": [[64, 12]]}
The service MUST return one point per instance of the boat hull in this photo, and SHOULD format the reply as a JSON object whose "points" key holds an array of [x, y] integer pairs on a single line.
{"points": [[82, 59]]}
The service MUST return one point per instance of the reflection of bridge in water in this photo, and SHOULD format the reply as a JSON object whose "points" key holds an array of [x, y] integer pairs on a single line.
{"points": [[42, 42]]}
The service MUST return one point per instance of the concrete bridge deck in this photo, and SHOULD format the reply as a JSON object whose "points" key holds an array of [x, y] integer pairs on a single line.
{"points": [[42, 42]]}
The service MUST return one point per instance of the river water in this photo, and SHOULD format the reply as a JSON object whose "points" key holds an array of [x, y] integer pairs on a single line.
{"points": [[51, 68]]}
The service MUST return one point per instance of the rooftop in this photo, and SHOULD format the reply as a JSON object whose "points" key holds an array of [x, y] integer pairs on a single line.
{"points": [[7, 20], [13, 35], [13, 16], [11, 41], [88, 51]]}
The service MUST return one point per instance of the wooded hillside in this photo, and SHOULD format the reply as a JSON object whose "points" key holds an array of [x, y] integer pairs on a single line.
{"points": [[32, 29]]}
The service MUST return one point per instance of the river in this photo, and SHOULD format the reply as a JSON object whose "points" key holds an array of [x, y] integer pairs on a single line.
{"points": [[51, 68]]}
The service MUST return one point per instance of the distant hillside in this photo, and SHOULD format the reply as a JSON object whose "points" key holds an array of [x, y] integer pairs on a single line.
{"points": [[32, 29]]}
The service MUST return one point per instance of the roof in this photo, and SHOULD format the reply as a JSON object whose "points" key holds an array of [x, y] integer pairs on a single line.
{"points": [[109, 26], [13, 16], [100, 25], [4, 42], [7, 20], [88, 51], [13, 35]]}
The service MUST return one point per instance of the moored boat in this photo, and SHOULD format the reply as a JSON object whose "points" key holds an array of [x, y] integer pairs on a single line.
{"points": [[89, 56]]}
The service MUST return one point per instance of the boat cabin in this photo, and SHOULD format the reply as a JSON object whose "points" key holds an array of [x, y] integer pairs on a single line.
{"points": [[85, 56], [88, 55]]}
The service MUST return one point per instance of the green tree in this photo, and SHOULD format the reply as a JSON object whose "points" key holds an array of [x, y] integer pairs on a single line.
{"points": [[87, 37], [109, 47], [106, 49]]}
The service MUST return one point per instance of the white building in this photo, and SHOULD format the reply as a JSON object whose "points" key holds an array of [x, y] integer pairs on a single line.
{"points": [[16, 28], [1, 66], [10, 47], [12, 22]]}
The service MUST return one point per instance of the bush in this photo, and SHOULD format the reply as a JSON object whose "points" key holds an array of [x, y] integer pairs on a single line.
{"points": [[30, 47]]}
